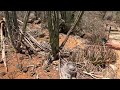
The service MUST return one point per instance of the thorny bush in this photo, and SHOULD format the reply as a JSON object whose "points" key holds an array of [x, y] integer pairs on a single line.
{"points": [[98, 55]]}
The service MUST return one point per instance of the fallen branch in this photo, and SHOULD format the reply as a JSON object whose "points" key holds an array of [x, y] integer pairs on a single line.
{"points": [[94, 76], [30, 44], [35, 41], [27, 34], [90, 74]]}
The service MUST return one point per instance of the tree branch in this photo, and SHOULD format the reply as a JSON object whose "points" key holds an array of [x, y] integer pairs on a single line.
{"points": [[73, 27]]}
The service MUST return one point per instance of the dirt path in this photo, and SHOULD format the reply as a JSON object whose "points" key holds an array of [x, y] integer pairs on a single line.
{"points": [[115, 35], [14, 62], [73, 42], [118, 64]]}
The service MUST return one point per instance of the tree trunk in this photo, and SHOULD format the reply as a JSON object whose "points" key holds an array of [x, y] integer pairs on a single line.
{"points": [[53, 23], [63, 15], [13, 29]]}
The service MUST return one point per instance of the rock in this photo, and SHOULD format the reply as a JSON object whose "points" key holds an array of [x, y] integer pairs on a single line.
{"points": [[38, 65], [42, 35], [56, 63], [21, 58], [32, 73], [1, 61], [37, 21], [47, 37], [31, 20], [25, 69], [113, 67], [47, 68], [36, 33], [39, 56], [19, 66], [2, 73]]}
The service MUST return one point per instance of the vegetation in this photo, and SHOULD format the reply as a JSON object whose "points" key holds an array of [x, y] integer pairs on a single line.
{"points": [[69, 38]]}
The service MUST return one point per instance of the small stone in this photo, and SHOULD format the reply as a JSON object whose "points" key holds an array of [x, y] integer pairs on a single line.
{"points": [[47, 69], [21, 58], [38, 65], [32, 73], [19, 66], [6, 51], [24, 69], [31, 20], [37, 21], [47, 37], [1, 61], [2, 73], [42, 35]]}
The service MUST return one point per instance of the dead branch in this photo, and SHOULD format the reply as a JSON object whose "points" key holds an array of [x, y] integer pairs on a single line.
{"points": [[91, 74], [40, 46], [80, 14], [36, 42], [94, 76], [29, 44]]}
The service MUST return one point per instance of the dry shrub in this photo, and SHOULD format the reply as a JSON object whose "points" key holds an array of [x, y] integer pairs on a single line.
{"points": [[92, 23], [98, 55], [94, 58], [96, 37]]}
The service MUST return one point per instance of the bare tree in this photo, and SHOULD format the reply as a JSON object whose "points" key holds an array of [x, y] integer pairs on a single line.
{"points": [[78, 17], [53, 24], [13, 29]]}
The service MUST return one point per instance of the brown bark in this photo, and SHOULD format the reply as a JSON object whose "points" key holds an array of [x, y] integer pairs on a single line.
{"points": [[53, 23]]}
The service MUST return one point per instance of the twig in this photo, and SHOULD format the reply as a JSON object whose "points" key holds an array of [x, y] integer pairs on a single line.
{"points": [[32, 38], [23, 23], [94, 76], [90, 74]]}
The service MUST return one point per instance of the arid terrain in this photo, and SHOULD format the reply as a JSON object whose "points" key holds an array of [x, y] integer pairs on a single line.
{"points": [[24, 66]]}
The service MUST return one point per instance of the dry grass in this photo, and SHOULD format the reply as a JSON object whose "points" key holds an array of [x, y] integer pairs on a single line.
{"points": [[95, 51], [98, 55]]}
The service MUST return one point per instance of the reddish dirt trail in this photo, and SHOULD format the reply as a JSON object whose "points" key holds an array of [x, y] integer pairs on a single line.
{"points": [[15, 73], [115, 35], [71, 43]]}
